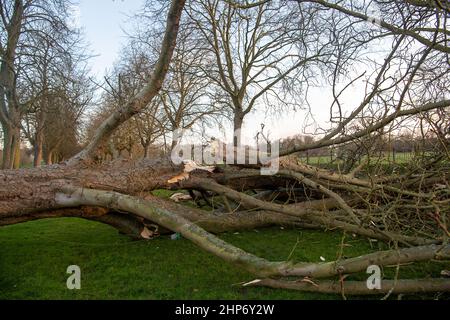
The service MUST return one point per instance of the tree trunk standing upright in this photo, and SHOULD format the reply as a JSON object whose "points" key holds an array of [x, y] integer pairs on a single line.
{"points": [[42, 116], [48, 157], [16, 162], [9, 109], [7, 142], [56, 157], [38, 140], [146, 151], [177, 135], [174, 144], [10, 121], [237, 127], [15, 137], [239, 48], [11, 147], [38, 149]]}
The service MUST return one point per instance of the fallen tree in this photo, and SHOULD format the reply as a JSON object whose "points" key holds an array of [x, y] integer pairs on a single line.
{"points": [[66, 193], [408, 210]]}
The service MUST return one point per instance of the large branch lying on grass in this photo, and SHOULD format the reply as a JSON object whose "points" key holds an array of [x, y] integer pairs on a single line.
{"points": [[133, 226], [75, 197], [125, 224], [358, 288], [236, 221], [314, 216], [317, 186], [32, 190]]}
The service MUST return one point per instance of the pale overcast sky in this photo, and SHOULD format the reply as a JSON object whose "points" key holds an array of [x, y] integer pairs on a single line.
{"points": [[103, 21]]}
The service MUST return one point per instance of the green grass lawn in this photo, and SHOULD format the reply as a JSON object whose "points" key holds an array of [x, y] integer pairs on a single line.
{"points": [[386, 159], [34, 258]]}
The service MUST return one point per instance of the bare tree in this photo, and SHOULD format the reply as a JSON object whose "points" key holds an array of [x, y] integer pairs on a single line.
{"points": [[55, 80], [150, 127], [259, 52], [150, 90], [186, 97], [23, 24]]}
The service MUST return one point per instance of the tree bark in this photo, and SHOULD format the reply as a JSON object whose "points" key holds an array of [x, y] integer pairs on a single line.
{"points": [[146, 151], [49, 157], [237, 126], [358, 288], [16, 161], [10, 116], [38, 149], [11, 144], [7, 143], [33, 190], [174, 143], [74, 197], [133, 226]]}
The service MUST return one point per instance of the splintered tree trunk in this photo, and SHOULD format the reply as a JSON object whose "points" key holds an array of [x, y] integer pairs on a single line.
{"points": [[33, 190]]}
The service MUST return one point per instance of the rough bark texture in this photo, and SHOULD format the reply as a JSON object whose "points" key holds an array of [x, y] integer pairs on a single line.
{"points": [[33, 190], [10, 117], [359, 288]]}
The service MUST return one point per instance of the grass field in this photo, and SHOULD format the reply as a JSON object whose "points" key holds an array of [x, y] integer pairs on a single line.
{"points": [[386, 159], [34, 258]]}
